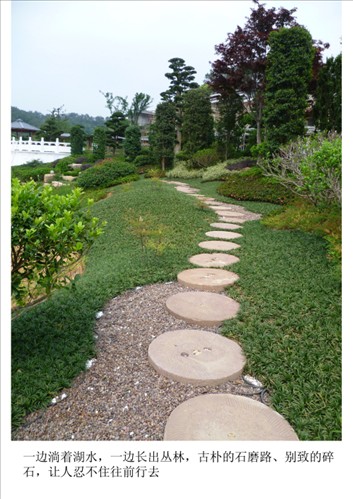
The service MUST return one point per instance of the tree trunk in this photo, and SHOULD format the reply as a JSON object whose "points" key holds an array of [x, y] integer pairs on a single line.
{"points": [[177, 147], [258, 123], [163, 163]]}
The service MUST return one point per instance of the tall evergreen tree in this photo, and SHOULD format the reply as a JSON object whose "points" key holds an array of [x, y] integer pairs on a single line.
{"points": [[181, 80], [197, 128], [162, 134], [328, 105], [288, 75], [132, 142], [77, 139], [54, 125], [115, 129], [243, 57]]}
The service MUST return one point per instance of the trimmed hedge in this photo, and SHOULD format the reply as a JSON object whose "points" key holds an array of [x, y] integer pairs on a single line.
{"points": [[107, 174], [253, 186]]}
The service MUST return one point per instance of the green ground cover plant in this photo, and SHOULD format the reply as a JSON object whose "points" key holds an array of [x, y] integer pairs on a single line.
{"points": [[289, 324], [52, 341], [290, 319]]}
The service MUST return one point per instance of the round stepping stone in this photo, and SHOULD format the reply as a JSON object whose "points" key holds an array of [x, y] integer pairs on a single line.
{"points": [[202, 307], [207, 279], [219, 245], [213, 259], [232, 220], [186, 190], [226, 417], [228, 213], [223, 234], [220, 225], [219, 207], [197, 357]]}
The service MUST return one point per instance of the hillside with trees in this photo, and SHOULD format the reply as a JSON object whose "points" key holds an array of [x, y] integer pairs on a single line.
{"points": [[37, 119]]}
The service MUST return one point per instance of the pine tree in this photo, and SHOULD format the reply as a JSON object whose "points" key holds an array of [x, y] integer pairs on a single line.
{"points": [[162, 134], [197, 127]]}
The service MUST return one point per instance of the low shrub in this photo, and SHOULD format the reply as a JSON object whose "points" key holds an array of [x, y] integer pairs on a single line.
{"points": [[254, 186], [241, 163], [154, 173], [311, 167], [216, 172], [181, 170], [203, 158], [26, 173], [107, 173]]}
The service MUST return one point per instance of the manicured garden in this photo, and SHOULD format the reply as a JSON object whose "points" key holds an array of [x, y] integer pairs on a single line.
{"points": [[289, 324]]}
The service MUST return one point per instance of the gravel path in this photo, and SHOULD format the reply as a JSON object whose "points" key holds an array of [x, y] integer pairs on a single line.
{"points": [[121, 397]]}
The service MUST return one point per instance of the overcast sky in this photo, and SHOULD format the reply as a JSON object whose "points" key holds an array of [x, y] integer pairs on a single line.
{"points": [[65, 52]]}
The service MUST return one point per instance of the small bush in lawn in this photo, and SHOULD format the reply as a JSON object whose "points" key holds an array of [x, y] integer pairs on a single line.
{"points": [[107, 173], [26, 173], [49, 232], [181, 170], [203, 158], [216, 172], [254, 186], [311, 167]]}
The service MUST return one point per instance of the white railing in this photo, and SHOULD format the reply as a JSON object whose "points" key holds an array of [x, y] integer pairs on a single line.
{"points": [[41, 146]]}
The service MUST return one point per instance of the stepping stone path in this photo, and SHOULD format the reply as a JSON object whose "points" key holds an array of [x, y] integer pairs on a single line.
{"points": [[203, 358], [197, 357], [226, 417], [213, 260], [202, 307], [220, 225], [219, 245], [208, 279], [219, 234]]}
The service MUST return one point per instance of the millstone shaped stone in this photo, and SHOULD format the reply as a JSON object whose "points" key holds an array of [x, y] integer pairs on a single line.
{"points": [[223, 234], [232, 220], [230, 214], [197, 357], [222, 225], [219, 245], [207, 279], [226, 417], [213, 259], [202, 307]]}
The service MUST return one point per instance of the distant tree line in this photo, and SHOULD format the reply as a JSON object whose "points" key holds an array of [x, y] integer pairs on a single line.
{"points": [[37, 119]]}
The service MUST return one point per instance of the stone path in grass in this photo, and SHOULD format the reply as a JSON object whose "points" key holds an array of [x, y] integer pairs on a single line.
{"points": [[201, 357]]}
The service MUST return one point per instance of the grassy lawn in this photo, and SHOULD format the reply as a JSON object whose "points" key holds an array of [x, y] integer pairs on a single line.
{"points": [[52, 342], [289, 324]]}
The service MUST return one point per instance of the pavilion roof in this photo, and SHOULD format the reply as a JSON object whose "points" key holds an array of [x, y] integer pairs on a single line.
{"points": [[21, 126]]}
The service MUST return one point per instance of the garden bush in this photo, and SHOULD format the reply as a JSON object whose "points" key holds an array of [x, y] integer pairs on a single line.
{"points": [[203, 158], [311, 167], [107, 173], [219, 171], [26, 173], [49, 232], [181, 170], [251, 185]]}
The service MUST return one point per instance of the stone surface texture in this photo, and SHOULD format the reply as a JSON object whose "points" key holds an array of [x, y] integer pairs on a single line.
{"points": [[202, 307], [226, 417], [213, 259], [207, 279], [201, 358]]}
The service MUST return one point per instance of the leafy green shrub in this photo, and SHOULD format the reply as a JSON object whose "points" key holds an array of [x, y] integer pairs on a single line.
{"points": [[203, 158], [99, 143], [145, 158], [132, 142], [182, 156], [216, 172], [26, 173], [107, 173], [311, 167], [63, 164], [255, 187], [154, 173], [77, 139], [49, 232], [181, 170]]}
